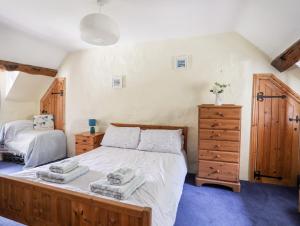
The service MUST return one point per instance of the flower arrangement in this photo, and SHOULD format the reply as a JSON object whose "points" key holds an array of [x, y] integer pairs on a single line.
{"points": [[218, 89]]}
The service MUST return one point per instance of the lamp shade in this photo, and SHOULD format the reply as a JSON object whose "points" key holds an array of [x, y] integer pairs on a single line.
{"points": [[92, 122], [99, 29]]}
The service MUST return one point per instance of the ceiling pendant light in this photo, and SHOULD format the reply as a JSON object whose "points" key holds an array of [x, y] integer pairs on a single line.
{"points": [[99, 29]]}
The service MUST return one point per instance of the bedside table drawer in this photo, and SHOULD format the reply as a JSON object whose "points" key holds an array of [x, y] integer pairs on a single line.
{"points": [[85, 140], [84, 148]]}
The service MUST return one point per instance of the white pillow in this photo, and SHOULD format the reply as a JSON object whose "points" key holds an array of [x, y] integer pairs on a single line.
{"points": [[43, 122], [11, 129], [157, 140], [121, 137]]}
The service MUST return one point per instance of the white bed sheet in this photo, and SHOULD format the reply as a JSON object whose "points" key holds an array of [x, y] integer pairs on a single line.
{"points": [[164, 175]]}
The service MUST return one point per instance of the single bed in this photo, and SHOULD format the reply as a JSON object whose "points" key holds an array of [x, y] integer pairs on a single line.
{"points": [[36, 147], [155, 203]]}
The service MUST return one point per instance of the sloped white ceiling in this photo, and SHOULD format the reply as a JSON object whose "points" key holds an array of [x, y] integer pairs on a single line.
{"points": [[22, 47], [271, 25]]}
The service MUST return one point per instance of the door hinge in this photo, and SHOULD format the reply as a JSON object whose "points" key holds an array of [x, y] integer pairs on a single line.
{"points": [[297, 119], [258, 175], [260, 96], [61, 93]]}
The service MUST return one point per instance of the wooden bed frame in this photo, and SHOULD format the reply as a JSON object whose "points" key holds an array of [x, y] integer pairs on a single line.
{"points": [[37, 204]]}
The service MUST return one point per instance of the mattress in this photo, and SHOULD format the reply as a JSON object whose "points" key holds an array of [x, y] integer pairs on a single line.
{"points": [[164, 174]]}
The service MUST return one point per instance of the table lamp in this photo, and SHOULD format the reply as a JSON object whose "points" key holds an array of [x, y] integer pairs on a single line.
{"points": [[92, 124]]}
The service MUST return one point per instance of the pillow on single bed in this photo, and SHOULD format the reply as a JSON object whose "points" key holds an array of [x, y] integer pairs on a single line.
{"points": [[157, 140], [43, 122], [121, 137], [11, 129]]}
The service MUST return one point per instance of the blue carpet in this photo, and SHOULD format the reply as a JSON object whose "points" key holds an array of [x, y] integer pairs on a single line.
{"points": [[9, 167], [256, 205]]}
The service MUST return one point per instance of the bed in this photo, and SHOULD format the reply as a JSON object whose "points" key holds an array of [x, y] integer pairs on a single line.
{"points": [[155, 203], [36, 147]]}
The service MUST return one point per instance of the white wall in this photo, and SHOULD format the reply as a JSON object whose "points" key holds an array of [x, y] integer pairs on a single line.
{"points": [[19, 47], [23, 98], [29, 87], [154, 92], [14, 110]]}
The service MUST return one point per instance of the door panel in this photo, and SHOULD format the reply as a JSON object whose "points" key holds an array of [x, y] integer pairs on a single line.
{"points": [[53, 102], [277, 137]]}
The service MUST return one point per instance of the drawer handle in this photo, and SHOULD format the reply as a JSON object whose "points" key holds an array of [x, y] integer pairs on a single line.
{"points": [[217, 156], [216, 124], [214, 172], [217, 146], [215, 135], [220, 114], [83, 140]]}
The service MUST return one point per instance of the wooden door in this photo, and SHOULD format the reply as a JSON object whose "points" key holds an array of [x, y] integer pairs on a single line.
{"points": [[276, 145], [53, 102]]}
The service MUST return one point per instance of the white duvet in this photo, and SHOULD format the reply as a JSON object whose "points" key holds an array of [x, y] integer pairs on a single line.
{"points": [[36, 146], [164, 174]]}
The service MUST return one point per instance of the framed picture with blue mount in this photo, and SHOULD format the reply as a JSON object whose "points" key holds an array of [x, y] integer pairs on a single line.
{"points": [[117, 82], [181, 62]]}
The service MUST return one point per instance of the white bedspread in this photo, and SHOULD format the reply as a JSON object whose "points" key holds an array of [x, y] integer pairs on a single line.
{"points": [[164, 175], [36, 146]]}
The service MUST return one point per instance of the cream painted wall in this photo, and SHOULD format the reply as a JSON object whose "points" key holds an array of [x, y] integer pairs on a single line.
{"points": [[28, 87], [14, 110], [154, 92]]}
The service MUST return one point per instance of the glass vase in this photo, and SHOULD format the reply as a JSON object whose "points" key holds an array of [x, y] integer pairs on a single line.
{"points": [[218, 100]]}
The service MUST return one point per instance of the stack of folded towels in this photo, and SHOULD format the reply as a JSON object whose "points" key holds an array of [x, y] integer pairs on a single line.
{"points": [[119, 184], [63, 172]]}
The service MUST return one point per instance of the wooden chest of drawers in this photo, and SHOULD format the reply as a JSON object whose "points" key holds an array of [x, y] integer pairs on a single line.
{"points": [[219, 145], [86, 142]]}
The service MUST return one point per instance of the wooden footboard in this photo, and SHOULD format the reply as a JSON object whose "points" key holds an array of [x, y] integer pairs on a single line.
{"points": [[36, 204]]}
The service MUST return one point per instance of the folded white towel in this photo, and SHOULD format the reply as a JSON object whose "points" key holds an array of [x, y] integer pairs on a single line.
{"points": [[62, 178], [120, 176], [103, 187], [64, 166]]}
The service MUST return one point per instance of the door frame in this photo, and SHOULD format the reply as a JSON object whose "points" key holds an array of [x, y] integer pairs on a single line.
{"points": [[254, 117]]}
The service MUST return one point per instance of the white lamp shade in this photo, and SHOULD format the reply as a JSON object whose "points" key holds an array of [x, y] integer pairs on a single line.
{"points": [[99, 29]]}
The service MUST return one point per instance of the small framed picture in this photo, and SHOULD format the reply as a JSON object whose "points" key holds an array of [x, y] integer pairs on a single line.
{"points": [[117, 82], [181, 62]]}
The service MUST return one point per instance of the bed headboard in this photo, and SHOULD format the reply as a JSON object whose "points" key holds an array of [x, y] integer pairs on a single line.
{"points": [[142, 126]]}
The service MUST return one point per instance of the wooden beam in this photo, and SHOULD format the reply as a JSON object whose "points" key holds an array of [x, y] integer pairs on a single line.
{"points": [[11, 66], [288, 58]]}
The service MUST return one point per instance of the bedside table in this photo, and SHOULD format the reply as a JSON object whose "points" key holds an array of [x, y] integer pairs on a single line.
{"points": [[86, 141]]}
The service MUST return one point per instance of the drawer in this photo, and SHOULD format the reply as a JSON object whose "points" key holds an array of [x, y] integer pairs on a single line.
{"points": [[220, 124], [220, 113], [229, 135], [219, 145], [219, 171], [85, 140], [219, 156], [81, 148]]}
